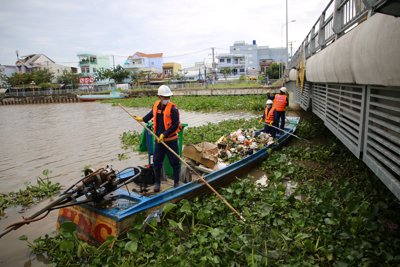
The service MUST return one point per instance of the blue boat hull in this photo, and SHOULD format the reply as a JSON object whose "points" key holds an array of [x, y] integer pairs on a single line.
{"points": [[112, 95]]}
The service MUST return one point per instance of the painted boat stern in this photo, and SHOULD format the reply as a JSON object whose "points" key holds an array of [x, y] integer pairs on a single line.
{"points": [[96, 223]]}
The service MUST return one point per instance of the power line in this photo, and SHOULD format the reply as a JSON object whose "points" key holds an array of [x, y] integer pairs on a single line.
{"points": [[222, 48], [189, 53], [173, 56]]}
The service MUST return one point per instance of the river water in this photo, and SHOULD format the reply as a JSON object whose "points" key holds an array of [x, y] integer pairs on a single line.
{"points": [[63, 138]]}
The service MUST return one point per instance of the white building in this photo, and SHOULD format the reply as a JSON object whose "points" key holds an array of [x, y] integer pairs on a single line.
{"points": [[27, 64], [237, 63], [248, 59], [145, 62], [199, 71], [8, 70]]}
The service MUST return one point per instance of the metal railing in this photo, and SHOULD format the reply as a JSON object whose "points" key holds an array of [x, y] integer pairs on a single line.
{"points": [[339, 17], [366, 118], [382, 135]]}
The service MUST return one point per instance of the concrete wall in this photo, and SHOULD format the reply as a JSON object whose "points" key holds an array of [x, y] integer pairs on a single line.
{"points": [[368, 54]]}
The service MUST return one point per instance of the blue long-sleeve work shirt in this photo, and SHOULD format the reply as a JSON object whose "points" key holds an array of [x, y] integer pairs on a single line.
{"points": [[160, 120]]}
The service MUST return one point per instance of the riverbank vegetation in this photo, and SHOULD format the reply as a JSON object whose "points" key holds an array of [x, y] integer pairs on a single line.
{"points": [[250, 103], [31, 194], [320, 207]]}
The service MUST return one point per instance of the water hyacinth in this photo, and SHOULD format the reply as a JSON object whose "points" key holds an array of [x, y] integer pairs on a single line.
{"points": [[335, 213], [254, 103], [31, 194]]}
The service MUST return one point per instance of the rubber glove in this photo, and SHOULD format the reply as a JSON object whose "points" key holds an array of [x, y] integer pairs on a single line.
{"points": [[261, 120], [160, 138], [138, 118]]}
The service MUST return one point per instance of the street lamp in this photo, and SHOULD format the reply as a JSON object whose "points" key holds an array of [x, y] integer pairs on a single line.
{"points": [[286, 51], [33, 86]]}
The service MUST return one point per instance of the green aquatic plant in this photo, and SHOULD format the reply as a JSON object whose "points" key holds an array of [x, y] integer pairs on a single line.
{"points": [[250, 103], [312, 127], [337, 214], [31, 193], [342, 227], [130, 140], [122, 156]]}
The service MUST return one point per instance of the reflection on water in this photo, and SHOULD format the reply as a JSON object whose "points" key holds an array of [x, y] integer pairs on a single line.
{"points": [[64, 138]]}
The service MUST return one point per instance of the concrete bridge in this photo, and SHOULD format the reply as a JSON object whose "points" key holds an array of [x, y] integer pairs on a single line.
{"points": [[347, 72]]}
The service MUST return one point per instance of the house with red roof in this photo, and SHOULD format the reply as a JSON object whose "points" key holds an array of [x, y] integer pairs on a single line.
{"points": [[145, 62]]}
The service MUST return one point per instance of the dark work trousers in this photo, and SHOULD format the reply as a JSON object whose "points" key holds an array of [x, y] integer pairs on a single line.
{"points": [[270, 130], [281, 119], [159, 153]]}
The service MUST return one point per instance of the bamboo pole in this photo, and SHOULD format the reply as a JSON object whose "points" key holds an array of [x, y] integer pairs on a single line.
{"points": [[288, 133], [190, 167]]}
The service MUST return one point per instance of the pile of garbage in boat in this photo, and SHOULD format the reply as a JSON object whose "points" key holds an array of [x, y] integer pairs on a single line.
{"points": [[229, 148]]}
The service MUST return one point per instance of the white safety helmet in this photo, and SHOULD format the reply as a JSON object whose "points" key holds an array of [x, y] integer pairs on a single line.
{"points": [[269, 102], [283, 90], [164, 90]]}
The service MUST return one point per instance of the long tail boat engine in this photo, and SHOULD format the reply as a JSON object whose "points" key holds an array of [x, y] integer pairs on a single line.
{"points": [[98, 183], [93, 188]]}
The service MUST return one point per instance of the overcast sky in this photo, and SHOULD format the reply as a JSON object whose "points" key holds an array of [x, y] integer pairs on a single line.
{"points": [[184, 30]]}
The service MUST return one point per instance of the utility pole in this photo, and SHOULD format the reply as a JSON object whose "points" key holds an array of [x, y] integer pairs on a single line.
{"points": [[291, 50], [205, 76], [213, 65], [287, 34]]}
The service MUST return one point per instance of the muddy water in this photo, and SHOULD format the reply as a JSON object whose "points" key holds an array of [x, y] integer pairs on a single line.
{"points": [[63, 138]]}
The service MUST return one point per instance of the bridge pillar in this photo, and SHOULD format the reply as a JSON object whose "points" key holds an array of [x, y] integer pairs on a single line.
{"points": [[293, 105]]}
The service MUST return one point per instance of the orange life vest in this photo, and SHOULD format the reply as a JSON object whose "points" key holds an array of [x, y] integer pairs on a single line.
{"points": [[269, 114], [280, 102], [167, 119]]}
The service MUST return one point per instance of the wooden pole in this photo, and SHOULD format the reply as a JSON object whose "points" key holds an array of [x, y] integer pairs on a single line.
{"points": [[288, 133], [190, 167]]}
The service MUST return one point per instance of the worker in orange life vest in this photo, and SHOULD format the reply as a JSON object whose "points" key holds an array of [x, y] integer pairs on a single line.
{"points": [[165, 116], [281, 101], [270, 118]]}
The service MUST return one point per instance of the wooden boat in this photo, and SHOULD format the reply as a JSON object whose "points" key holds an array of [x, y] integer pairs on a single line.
{"points": [[112, 95], [95, 224]]}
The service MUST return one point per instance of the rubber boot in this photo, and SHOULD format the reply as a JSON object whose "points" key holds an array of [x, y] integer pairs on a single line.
{"points": [[157, 175], [176, 176]]}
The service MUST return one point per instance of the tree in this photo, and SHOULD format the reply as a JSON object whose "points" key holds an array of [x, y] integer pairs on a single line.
{"points": [[42, 76], [273, 70], [102, 74], [19, 79], [69, 78], [141, 77], [118, 74], [3, 80], [226, 71]]}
